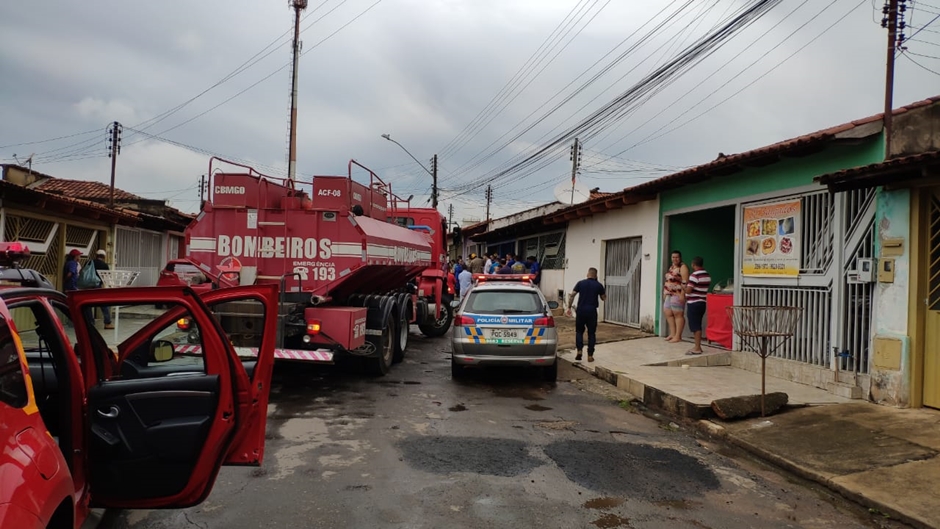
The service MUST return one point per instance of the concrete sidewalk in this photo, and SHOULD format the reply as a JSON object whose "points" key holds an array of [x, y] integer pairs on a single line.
{"points": [[884, 458]]}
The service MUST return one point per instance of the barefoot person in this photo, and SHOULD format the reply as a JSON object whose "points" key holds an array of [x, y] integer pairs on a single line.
{"points": [[696, 292], [589, 291], [674, 296]]}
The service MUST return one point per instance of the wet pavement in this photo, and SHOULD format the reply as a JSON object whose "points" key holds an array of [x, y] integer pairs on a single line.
{"points": [[500, 448]]}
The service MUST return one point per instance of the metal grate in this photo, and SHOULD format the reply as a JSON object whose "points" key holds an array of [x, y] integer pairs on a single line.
{"points": [[549, 249], [142, 251], [933, 253], [857, 311], [817, 247], [80, 237], [810, 343], [27, 229], [856, 203], [622, 280]]}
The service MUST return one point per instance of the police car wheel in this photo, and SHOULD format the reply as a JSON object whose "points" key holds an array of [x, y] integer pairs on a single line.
{"points": [[456, 370], [550, 373]]}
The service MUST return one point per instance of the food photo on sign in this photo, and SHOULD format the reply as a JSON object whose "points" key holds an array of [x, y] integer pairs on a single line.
{"points": [[771, 245]]}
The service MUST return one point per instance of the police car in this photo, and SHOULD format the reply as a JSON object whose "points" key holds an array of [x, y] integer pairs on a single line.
{"points": [[504, 321]]}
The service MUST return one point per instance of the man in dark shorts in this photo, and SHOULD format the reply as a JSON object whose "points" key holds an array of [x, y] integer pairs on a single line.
{"points": [[590, 291], [695, 293]]}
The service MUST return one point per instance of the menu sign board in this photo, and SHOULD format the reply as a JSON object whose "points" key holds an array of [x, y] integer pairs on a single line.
{"points": [[772, 239]]}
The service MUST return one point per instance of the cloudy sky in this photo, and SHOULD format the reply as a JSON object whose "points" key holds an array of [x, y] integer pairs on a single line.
{"points": [[483, 83]]}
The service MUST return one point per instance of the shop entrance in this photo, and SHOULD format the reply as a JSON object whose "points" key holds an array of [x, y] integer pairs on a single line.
{"points": [[709, 234], [932, 325]]}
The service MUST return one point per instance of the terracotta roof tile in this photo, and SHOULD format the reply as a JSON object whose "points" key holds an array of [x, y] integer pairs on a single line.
{"points": [[84, 189], [879, 173], [120, 213]]}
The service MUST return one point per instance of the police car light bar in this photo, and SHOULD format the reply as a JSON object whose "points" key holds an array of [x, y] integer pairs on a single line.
{"points": [[12, 253], [503, 277]]}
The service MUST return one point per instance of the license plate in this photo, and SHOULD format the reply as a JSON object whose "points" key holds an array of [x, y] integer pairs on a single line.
{"points": [[505, 334]]}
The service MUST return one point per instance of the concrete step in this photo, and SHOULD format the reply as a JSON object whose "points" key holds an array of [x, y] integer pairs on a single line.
{"points": [[844, 390]]}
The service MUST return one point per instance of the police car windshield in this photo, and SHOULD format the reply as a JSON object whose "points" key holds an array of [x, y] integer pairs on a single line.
{"points": [[503, 302]]}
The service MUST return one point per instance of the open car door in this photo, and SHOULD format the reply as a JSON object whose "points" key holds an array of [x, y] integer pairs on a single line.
{"points": [[159, 425]]}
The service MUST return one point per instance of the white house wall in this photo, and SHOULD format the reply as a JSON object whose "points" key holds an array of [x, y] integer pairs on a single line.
{"points": [[585, 249]]}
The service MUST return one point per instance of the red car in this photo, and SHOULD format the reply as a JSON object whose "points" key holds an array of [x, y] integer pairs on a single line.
{"points": [[128, 422], [182, 272]]}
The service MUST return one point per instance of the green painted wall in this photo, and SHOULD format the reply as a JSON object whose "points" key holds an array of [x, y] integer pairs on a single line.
{"points": [[785, 174], [709, 234]]}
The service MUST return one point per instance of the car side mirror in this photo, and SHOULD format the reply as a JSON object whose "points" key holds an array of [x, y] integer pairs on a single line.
{"points": [[161, 351]]}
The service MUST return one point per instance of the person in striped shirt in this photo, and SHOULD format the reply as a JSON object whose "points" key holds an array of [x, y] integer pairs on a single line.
{"points": [[695, 292]]}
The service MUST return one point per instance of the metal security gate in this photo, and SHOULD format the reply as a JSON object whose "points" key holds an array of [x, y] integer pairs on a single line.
{"points": [[141, 251], [622, 279]]}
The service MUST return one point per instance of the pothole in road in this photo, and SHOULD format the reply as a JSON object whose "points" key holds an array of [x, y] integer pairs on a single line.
{"points": [[603, 503], [459, 407], [610, 521], [478, 455], [536, 407], [637, 471]]}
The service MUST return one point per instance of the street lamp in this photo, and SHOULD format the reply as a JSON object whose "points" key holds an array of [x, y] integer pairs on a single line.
{"points": [[432, 171]]}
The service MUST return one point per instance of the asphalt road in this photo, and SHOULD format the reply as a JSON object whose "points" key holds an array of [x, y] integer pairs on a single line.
{"points": [[416, 449]]}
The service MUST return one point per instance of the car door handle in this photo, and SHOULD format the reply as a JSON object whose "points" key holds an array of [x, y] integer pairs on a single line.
{"points": [[111, 413]]}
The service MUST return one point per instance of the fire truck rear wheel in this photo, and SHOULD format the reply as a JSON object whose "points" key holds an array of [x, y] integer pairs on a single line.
{"points": [[401, 339], [439, 327], [385, 347]]}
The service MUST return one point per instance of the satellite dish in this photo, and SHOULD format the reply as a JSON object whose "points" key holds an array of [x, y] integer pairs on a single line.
{"points": [[572, 193]]}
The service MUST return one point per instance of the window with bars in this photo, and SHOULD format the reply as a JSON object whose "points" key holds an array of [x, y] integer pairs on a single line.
{"points": [[548, 249]]}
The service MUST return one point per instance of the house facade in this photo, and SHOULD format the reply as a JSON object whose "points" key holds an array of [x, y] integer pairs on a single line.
{"points": [[54, 216], [905, 333]]}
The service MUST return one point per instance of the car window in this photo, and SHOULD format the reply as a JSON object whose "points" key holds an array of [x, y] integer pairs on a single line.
{"points": [[12, 380], [189, 274], [242, 321], [62, 314], [503, 302], [150, 349]]}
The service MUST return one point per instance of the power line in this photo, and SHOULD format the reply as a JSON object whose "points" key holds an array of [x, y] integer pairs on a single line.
{"points": [[921, 65], [50, 139]]}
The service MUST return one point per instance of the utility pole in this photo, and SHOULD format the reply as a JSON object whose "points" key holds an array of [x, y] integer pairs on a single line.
{"points": [[114, 149], [489, 200], [575, 164], [890, 21], [434, 181], [202, 189], [298, 5], [450, 215]]}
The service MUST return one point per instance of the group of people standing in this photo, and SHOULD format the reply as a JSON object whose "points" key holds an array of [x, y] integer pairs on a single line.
{"points": [[460, 273], [684, 295]]}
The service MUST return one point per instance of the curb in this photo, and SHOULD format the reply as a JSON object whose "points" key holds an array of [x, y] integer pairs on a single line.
{"points": [[654, 398], [809, 474]]}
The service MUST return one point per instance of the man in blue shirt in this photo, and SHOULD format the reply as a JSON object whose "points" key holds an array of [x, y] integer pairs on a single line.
{"points": [[71, 270], [589, 292], [535, 269]]}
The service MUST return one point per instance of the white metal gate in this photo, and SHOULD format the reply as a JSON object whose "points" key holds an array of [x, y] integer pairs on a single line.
{"points": [[622, 280], [142, 251]]}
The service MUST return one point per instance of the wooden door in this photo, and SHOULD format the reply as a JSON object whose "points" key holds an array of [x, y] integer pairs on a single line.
{"points": [[932, 326]]}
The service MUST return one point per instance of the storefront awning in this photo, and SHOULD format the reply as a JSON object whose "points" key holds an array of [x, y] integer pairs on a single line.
{"points": [[908, 171]]}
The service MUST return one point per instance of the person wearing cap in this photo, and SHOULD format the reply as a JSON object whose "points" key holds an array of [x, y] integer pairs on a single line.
{"points": [[476, 264], [71, 270], [100, 264]]}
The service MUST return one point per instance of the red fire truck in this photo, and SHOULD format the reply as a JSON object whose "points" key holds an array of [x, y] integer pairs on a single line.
{"points": [[355, 264]]}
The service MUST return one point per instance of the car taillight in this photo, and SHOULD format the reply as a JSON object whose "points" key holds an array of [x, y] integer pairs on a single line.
{"points": [[313, 326], [460, 321], [183, 324], [547, 321]]}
